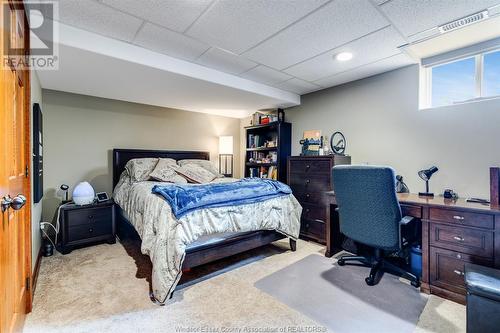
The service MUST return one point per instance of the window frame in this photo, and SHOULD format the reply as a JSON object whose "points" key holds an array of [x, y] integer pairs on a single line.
{"points": [[426, 80]]}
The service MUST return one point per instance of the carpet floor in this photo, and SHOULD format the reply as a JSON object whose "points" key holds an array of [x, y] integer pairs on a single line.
{"points": [[105, 288]]}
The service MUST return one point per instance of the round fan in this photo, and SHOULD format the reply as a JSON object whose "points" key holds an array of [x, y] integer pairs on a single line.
{"points": [[338, 143]]}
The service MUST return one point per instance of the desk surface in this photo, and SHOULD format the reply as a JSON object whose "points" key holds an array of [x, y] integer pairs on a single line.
{"points": [[438, 201]]}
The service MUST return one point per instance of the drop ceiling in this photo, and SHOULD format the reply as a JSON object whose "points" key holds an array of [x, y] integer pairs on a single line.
{"points": [[285, 45]]}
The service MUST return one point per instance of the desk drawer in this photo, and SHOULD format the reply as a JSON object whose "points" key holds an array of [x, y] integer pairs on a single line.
{"points": [[447, 268], [462, 218], [313, 228], [313, 212], [89, 216], [466, 240], [310, 166], [410, 210]]}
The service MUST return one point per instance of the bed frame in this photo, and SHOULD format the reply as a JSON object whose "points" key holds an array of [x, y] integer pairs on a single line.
{"points": [[197, 255]]}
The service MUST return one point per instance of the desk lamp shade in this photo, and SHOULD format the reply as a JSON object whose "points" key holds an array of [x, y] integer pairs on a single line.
{"points": [[226, 155], [426, 175], [83, 194]]}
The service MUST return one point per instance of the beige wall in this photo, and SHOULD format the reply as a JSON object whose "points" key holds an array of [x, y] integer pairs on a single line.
{"points": [[81, 131], [36, 208], [382, 123]]}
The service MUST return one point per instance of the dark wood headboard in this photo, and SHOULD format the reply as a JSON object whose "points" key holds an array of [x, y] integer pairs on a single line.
{"points": [[122, 156]]}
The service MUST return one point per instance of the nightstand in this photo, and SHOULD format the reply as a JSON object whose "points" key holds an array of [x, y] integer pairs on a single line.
{"points": [[84, 225]]}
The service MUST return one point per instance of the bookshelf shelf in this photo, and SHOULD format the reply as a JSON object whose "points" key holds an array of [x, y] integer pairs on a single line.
{"points": [[262, 149], [250, 164], [280, 133]]}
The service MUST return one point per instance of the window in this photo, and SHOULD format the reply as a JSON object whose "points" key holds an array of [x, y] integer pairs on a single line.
{"points": [[468, 79]]}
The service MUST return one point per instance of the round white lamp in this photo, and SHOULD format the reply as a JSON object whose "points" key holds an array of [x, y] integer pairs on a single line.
{"points": [[83, 194]]}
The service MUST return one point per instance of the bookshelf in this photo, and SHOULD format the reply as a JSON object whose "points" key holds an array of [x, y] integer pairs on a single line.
{"points": [[267, 149]]}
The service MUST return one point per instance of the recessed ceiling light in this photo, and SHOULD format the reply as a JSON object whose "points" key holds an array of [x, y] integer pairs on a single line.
{"points": [[343, 56]]}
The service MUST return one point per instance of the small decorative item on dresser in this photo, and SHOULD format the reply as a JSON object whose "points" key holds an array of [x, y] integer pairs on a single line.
{"points": [[84, 225], [338, 143], [83, 194]]}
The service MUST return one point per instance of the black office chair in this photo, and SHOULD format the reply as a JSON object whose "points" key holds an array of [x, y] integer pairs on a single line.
{"points": [[370, 214]]}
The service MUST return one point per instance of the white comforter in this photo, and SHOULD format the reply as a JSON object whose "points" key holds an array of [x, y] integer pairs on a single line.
{"points": [[165, 238]]}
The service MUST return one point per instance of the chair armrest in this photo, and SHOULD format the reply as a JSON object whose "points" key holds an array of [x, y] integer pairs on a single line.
{"points": [[406, 220]]}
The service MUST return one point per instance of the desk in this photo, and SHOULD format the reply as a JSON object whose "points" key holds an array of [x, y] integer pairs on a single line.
{"points": [[454, 232]]}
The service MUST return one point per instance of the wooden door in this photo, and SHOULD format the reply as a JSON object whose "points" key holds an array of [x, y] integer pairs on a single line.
{"points": [[15, 229]]}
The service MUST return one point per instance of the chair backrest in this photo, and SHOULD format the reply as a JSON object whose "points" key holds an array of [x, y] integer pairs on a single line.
{"points": [[369, 210]]}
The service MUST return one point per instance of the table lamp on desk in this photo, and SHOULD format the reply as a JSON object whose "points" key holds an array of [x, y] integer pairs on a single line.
{"points": [[426, 175]]}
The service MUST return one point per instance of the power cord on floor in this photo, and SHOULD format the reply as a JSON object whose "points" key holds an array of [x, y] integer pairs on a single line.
{"points": [[56, 227]]}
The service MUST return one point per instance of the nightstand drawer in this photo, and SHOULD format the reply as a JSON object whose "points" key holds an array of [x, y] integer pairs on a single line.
{"points": [[90, 230], [462, 218], [89, 216], [310, 166], [466, 240]]}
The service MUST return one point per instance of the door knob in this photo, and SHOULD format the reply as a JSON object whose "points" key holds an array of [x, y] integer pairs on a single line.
{"points": [[5, 204], [18, 202]]}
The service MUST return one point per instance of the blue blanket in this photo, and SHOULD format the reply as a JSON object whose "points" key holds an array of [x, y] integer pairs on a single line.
{"points": [[187, 198]]}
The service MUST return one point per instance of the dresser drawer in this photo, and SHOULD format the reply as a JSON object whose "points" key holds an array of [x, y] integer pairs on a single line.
{"points": [[310, 166], [466, 240], [90, 230], [313, 212], [310, 183], [462, 218], [313, 228], [311, 197], [89, 216], [447, 268]]}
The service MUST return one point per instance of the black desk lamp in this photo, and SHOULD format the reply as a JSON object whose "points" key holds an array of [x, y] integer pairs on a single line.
{"points": [[426, 175]]}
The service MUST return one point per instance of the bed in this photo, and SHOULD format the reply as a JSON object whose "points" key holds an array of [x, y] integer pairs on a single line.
{"points": [[206, 248]]}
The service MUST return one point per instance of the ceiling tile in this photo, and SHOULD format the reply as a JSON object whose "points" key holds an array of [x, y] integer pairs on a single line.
{"points": [[298, 86], [168, 42], [237, 25], [95, 17], [375, 68], [177, 15], [370, 48], [265, 75], [225, 61], [331, 26], [412, 17]]}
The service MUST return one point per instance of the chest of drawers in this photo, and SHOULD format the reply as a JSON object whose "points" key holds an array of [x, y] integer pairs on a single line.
{"points": [[309, 178]]}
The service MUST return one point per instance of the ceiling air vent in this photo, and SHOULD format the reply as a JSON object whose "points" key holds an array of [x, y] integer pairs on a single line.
{"points": [[464, 21]]}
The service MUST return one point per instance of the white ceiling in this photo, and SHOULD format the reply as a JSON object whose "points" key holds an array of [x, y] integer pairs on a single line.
{"points": [[286, 44]]}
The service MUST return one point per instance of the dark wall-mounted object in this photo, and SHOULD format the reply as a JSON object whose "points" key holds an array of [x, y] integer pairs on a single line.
{"points": [[37, 153], [495, 186]]}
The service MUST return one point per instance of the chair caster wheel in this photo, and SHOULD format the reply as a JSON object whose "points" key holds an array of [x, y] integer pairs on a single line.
{"points": [[341, 262], [416, 284], [370, 281]]}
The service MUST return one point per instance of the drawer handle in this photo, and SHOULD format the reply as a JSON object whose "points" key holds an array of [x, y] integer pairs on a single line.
{"points": [[91, 230], [458, 217], [91, 217], [307, 225], [308, 166], [307, 210], [308, 181], [456, 271], [308, 195], [459, 256], [458, 238]]}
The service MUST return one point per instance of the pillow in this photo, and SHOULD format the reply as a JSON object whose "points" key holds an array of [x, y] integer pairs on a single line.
{"points": [[195, 173], [140, 168], [165, 172], [205, 164]]}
